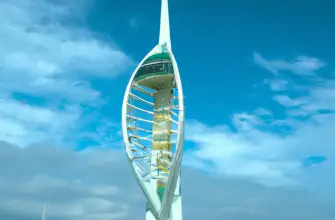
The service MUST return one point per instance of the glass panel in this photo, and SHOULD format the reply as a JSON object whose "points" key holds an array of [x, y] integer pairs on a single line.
{"points": [[161, 68]]}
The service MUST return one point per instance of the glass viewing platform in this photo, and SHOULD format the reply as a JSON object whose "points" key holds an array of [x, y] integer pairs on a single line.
{"points": [[156, 72]]}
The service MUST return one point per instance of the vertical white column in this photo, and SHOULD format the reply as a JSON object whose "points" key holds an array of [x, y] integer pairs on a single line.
{"points": [[148, 214], [164, 34], [44, 211]]}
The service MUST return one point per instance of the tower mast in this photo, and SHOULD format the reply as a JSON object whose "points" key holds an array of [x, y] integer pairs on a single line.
{"points": [[153, 126], [44, 211], [164, 33]]}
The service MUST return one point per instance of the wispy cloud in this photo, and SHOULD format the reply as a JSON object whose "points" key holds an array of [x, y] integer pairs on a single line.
{"points": [[46, 54], [23, 124], [263, 112], [277, 84], [69, 195], [302, 65], [270, 146], [287, 101], [79, 186], [262, 152], [248, 153]]}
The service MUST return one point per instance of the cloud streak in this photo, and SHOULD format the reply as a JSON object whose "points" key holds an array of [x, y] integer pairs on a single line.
{"points": [[270, 146], [80, 186], [46, 54], [303, 65]]}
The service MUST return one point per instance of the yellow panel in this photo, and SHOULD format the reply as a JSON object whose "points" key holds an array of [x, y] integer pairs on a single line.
{"points": [[158, 145]]}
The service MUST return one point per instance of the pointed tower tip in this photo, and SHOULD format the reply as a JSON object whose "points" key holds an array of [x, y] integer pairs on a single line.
{"points": [[164, 34], [44, 211]]}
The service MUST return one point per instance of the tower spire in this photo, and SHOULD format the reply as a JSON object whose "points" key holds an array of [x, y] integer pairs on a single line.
{"points": [[44, 211], [164, 34]]}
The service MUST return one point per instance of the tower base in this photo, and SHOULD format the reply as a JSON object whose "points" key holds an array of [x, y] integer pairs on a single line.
{"points": [[176, 211], [148, 214]]}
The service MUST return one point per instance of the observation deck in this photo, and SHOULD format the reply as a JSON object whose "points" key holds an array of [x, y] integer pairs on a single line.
{"points": [[156, 72]]}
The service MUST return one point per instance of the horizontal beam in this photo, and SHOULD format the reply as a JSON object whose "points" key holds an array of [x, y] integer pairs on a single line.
{"points": [[140, 109], [140, 158], [139, 145], [139, 119], [144, 120], [174, 121], [138, 88], [175, 114], [140, 99], [176, 107], [138, 129], [139, 137]]}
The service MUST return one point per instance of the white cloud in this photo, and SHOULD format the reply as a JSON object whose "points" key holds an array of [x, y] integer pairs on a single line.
{"points": [[263, 112], [248, 153], [45, 54], [68, 182], [100, 185], [23, 125], [270, 147], [277, 84], [302, 65], [40, 45], [287, 101], [263, 155], [105, 190], [318, 97]]}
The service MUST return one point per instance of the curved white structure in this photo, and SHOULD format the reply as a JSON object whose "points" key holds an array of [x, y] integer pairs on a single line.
{"points": [[44, 211], [153, 127]]}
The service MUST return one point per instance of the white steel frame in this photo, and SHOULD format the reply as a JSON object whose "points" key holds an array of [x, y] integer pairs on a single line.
{"points": [[171, 205]]}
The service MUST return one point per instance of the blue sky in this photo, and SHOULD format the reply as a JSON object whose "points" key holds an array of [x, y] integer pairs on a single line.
{"points": [[258, 79]]}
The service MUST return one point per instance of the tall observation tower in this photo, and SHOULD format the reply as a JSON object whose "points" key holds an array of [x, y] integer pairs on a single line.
{"points": [[153, 126]]}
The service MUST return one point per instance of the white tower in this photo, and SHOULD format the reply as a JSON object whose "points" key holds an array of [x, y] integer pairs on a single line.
{"points": [[153, 126], [44, 211]]}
